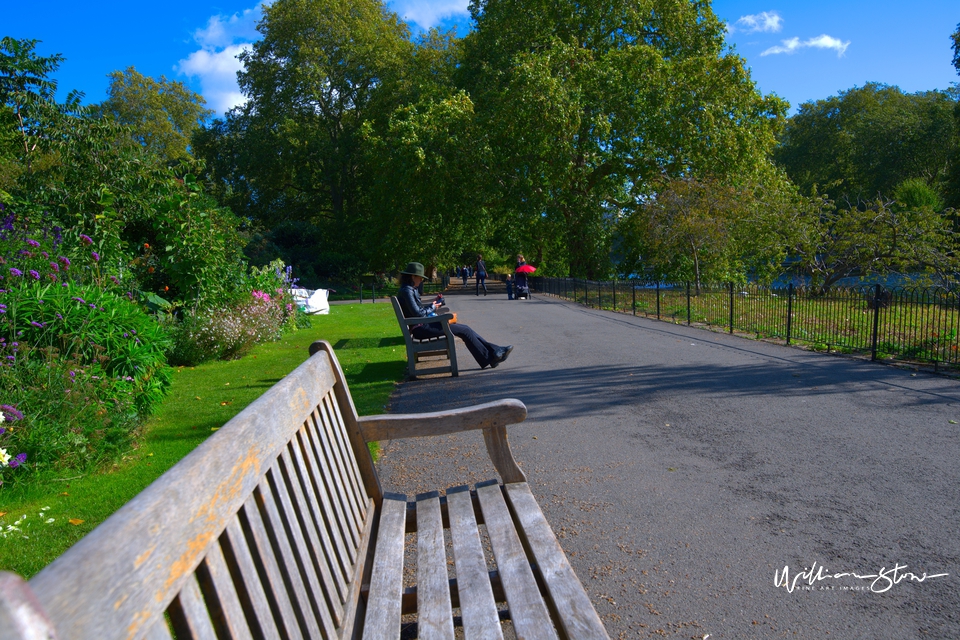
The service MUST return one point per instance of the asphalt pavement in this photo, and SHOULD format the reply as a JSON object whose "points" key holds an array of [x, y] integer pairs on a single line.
{"points": [[710, 486]]}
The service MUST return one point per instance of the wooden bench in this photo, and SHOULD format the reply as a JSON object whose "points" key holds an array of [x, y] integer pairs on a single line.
{"points": [[277, 527], [417, 350]]}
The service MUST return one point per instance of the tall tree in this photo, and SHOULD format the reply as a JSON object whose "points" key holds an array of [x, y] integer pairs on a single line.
{"points": [[293, 149], [163, 114], [588, 106], [862, 143]]}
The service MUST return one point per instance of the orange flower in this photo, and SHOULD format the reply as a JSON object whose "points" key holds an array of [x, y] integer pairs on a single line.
{"points": [[166, 288], [146, 246], [150, 270]]}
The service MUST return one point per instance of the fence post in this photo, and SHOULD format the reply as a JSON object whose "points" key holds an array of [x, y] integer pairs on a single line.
{"points": [[731, 308], [599, 294], [789, 310], [614, 295], [876, 320], [361, 293], [658, 299], [373, 293], [633, 288], [688, 303]]}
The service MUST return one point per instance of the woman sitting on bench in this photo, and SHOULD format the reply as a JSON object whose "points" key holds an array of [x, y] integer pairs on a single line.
{"points": [[486, 353]]}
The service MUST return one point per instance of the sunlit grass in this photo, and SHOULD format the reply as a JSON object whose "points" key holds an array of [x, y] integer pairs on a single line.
{"points": [[370, 349]]}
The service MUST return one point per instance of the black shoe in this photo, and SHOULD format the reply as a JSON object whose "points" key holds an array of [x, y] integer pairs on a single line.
{"points": [[500, 355]]}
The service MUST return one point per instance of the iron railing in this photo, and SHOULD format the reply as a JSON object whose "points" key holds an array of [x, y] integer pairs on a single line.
{"points": [[900, 323]]}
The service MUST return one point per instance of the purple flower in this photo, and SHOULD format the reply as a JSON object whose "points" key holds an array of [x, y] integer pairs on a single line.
{"points": [[32, 243], [18, 460], [16, 272], [35, 274], [36, 324], [115, 280], [80, 300], [92, 306], [45, 254], [10, 412], [65, 260], [55, 266], [73, 374], [95, 256], [59, 317], [86, 239], [2, 431]]}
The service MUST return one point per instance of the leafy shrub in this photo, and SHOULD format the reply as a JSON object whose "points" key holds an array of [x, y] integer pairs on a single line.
{"points": [[227, 333], [62, 414], [81, 362]]}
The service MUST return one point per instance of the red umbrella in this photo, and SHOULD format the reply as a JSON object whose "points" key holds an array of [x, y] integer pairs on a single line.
{"points": [[526, 268]]}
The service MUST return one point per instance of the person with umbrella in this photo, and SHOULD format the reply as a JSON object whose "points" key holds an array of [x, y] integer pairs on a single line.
{"points": [[520, 282], [485, 353]]}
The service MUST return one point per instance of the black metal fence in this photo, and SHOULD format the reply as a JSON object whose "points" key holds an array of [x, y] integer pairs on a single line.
{"points": [[901, 323]]}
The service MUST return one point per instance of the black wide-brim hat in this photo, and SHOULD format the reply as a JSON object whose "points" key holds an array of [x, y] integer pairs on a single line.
{"points": [[413, 269]]}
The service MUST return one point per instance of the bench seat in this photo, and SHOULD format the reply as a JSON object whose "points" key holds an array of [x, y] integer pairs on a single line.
{"points": [[277, 527]]}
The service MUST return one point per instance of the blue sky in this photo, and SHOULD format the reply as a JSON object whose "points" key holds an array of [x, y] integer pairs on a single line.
{"points": [[799, 50]]}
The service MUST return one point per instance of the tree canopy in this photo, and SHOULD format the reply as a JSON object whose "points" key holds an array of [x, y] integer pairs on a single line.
{"points": [[162, 114], [862, 143]]}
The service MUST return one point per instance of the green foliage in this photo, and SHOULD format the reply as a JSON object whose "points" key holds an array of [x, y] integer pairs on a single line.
{"points": [[862, 143], [587, 107], [955, 37], [879, 238], [81, 361], [705, 230], [162, 114]]}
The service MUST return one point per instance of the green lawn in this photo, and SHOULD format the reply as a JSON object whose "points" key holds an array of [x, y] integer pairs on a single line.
{"points": [[370, 349]]}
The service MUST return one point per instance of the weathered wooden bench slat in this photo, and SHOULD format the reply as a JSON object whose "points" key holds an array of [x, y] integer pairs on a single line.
{"points": [[221, 595], [344, 534], [308, 539], [188, 613], [435, 613], [342, 495], [288, 532], [386, 581], [566, 595], [158, 631], [268, 567], [478, 609], [277, 527], [529, 612], [328, 544], [249, 586], [288, 562]]}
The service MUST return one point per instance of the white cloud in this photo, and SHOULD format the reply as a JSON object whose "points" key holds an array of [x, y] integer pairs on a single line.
{"points": [[429, 13], [792, 45], [767, 22], [215, 63]]}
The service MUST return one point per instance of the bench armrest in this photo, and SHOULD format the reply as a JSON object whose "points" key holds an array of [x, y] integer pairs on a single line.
{"points": [[446, 317], [492, 417]]}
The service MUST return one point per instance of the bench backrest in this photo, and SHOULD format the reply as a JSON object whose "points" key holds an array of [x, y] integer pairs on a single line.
{"points": [[263, 526]]}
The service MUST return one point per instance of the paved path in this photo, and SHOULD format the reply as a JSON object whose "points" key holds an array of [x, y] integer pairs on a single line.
{"points": [[682, 468]]}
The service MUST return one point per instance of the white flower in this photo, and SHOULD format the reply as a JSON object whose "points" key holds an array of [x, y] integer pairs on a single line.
{"points": [[2, 417], [4, 457]]}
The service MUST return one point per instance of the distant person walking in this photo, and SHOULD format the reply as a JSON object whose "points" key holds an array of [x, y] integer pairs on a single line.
{"points": [[481, 273], [464, 273]]}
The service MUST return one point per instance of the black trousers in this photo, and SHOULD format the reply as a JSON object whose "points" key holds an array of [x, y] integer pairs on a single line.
{"points": [[481, 350]]}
